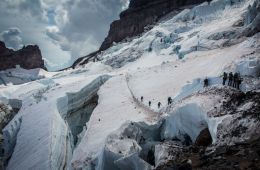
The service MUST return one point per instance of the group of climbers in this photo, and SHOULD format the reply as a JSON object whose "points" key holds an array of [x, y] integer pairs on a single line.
{"points": [[234, 80], [159, 103]]}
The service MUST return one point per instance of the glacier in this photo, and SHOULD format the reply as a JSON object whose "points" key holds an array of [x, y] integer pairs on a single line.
{"points": [[92, 117]]}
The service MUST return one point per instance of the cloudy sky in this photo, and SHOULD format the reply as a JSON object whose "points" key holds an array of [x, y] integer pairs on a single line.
{"points": [[64, 29]]}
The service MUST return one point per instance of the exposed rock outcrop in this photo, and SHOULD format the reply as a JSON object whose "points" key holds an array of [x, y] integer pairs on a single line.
{"points": [[219, 157], [204, 138], [28, 57], [85, 59], [140, 14]]}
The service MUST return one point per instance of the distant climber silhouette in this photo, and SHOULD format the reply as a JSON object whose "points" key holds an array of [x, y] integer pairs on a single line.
{"points": [[149, 103], [235, 80], [206, 82], [159, 105], [230, 79], [169, 100], [224, 78], [142, 98], [240, 79]]}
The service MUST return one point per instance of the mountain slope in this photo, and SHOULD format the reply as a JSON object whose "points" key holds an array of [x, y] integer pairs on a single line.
{"points": [[91, 117]]}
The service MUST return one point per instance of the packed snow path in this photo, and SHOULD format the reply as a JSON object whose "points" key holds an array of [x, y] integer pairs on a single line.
{"points": [[140, 103]]}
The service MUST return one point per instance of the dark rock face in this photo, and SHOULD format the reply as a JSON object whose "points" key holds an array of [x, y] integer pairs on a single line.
{"points": [[141, 13], [85, 59], [204, 138], [28, 57], [239, 156]]}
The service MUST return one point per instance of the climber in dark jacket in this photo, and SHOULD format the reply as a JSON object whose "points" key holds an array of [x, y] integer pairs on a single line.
{"points": [[240, 79], [159, 105], [169, 100], [206, 82], [224, 78], [150, 103], [230, 79], [142, 98], [235, 80]]}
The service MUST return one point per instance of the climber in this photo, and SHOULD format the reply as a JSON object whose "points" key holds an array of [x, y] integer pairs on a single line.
{"points": [[159, 105], [142, 98], [240, 79], [142, 140], [224, 78], [150, 157], [206, 82], [169, 100], [230, 79], [235, 80], [187, 140], [150, 103]]}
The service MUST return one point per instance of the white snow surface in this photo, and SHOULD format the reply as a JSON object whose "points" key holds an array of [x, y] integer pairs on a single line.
{"points": [[39, 136]]}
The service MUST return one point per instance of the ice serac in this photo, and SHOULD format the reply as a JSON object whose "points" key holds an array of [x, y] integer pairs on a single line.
{"points": [[45, 133], [140, 14], [28, 57], [76, 108], [128, 147], [252, 19]]}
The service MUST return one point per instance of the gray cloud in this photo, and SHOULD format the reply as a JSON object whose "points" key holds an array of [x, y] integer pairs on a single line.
{"points": [[62, 28], [85, 23], [34, 7], [12, 38]]}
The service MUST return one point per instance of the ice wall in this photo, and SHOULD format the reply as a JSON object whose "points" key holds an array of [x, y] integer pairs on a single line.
{"points": [[190, 117], [127, 147], [76, 108], [44, 132]]}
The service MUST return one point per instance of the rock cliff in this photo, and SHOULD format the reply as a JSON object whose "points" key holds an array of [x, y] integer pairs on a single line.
{"points": [[28, 57], [140, 14]]}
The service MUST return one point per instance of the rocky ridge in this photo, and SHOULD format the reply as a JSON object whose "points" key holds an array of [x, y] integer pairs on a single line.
{"points": [[28, 57]]}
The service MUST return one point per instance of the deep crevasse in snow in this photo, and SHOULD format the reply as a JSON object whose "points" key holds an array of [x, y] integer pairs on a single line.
{"points": [[44, 139]]}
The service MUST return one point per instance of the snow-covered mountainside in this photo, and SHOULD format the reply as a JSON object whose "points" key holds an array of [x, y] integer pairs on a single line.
{"points": [[92, 117]]}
